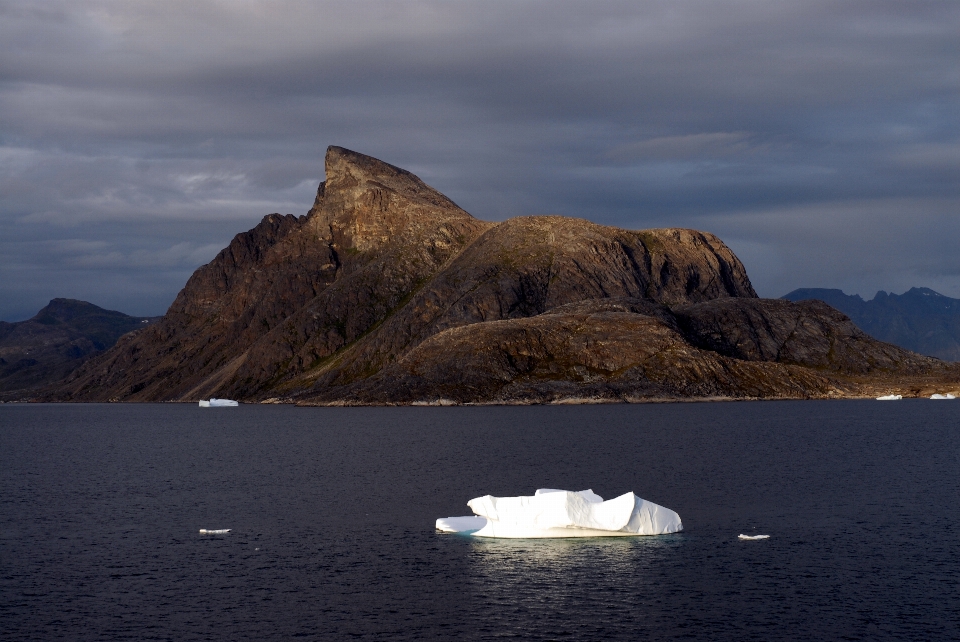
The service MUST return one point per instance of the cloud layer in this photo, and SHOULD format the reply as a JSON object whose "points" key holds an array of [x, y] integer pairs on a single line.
{"points": [[819, 139]]}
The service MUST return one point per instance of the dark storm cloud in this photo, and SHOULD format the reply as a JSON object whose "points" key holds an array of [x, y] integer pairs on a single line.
{"points": [[819, 139]]}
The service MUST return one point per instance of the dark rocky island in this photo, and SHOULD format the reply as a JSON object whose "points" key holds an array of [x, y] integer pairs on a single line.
{"points": [[387, 292], [43, 350]]}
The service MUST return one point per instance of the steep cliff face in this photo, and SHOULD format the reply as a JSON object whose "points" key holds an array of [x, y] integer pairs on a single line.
{"points": [[387, 292]]}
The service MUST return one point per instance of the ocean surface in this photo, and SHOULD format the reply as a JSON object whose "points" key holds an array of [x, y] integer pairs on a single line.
{"points": [[332, 516]]}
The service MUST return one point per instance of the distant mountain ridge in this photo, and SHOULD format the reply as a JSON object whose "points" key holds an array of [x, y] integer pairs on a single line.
{"points": [[920, 319], [56, 341]]}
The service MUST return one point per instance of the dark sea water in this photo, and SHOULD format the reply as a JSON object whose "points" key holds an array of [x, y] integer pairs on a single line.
{"points": [[333, 512]]}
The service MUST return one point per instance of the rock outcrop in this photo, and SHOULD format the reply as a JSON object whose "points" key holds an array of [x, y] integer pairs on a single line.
{"points": [[387, 292]]}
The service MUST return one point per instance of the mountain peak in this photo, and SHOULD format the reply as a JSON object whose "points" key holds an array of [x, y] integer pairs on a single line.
{"points": [[354, 174], [340, 162], [65, 310], [366, 204], [923, 292], [832, 296]]}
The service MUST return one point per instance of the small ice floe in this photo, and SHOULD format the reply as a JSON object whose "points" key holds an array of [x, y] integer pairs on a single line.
{"points": [[939, 396], [562, 513], [218, 403], [214, 531], [890, 398], [742, 536]]}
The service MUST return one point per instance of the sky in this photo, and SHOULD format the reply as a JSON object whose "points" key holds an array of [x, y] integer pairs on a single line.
{"points": [[819, 140]]}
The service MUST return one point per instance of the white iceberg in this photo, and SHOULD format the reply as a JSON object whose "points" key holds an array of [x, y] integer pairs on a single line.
{"points": [[890, 398], [218, 403], [939, 396], [742, 536], [215, 531], [562, 513]]}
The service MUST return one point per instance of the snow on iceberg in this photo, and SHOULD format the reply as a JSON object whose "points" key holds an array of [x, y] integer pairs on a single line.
{"points": [[890, 398], [562, 513], [939, 396], [218, 403]]}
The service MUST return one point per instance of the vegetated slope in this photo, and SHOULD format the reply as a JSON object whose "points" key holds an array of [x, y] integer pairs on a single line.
{"points": [[40, 351], [387, 292], [919, 319]]}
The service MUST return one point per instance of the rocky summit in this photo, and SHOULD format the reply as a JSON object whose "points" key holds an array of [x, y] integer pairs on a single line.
{"points": [[386, 292]]}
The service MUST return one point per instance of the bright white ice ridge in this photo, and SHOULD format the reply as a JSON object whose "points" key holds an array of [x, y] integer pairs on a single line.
{"points": [[563, 513], [890, 398], [939, 396], [218, 403]]}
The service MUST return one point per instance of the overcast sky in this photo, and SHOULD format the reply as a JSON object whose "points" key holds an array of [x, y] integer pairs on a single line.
{"points": [[820, 140]]}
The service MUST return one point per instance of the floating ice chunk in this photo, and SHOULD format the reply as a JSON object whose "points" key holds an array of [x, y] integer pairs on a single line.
{"points": [[561, 513], [466, 524], [219, 531], [742, 536], [939, 396], [890, 398], [218, 403]]}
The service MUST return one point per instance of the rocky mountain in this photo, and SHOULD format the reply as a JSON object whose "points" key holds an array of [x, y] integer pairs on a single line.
{"points": [[920, 319], [387, 292], [43, 350]]}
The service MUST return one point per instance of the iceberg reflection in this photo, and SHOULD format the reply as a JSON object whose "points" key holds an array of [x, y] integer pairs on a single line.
{"points": [[505, 561]]}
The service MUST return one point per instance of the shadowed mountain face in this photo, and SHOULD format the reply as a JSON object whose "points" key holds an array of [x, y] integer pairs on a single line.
{"points": [[920, 319], [387, 292], [42, 350]]}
